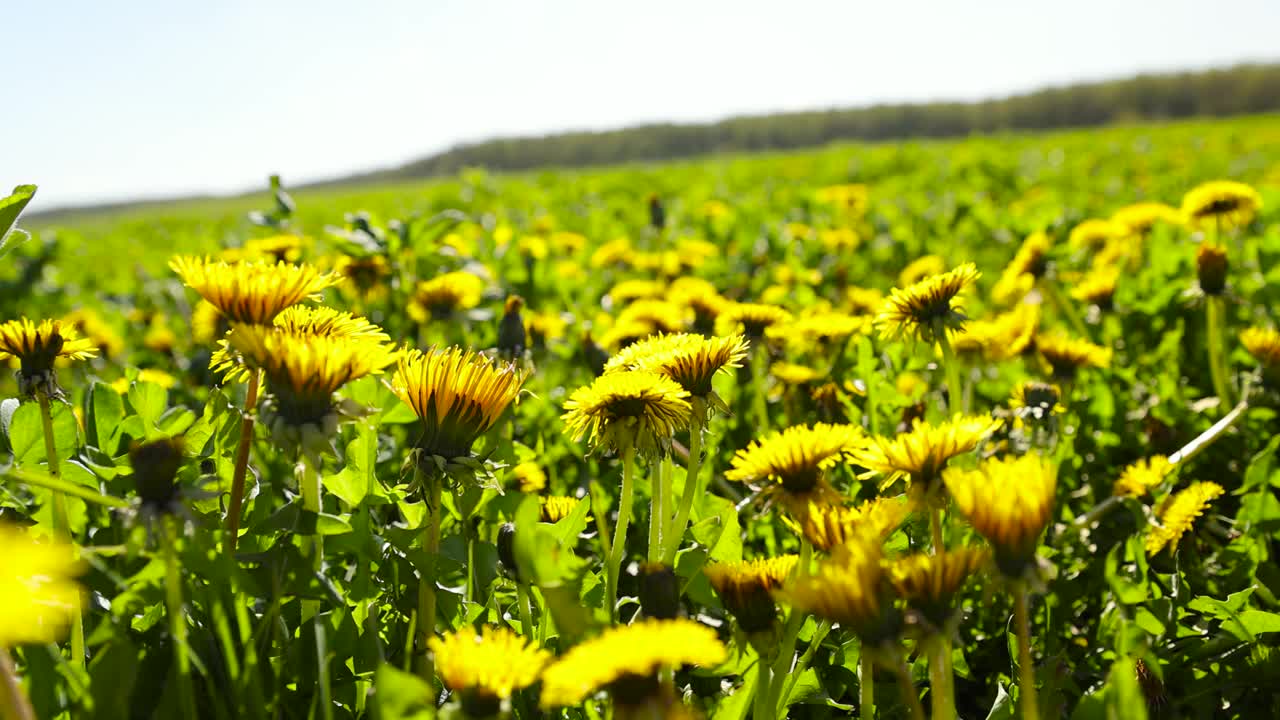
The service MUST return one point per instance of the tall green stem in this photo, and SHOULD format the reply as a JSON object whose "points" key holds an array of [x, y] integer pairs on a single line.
{"points": [[935, 528], [658, 508], [61, 523], [763, 709], [951, 366], [819, 634], [866, 686], [1214, 312], [177, 615], [795, 620], [14, 704], [309, 480], [526, 610], [619, 547], [940, 677], [1026, 671], [427, 583], [676, 533], [1206, 438], [908, 688], [242, 464]]}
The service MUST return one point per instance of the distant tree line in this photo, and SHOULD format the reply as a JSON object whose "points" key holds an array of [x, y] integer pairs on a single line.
{"points": [[1244, 89]]}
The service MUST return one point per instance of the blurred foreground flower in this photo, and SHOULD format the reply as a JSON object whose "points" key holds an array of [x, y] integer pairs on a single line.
{"points": [[484, 669], [38, 592]]}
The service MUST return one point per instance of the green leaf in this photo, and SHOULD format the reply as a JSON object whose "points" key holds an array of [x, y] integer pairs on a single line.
{"points": [[399, 695], [26, 434], [148, 401], [108, 410], [736, 706], [10, 208]]}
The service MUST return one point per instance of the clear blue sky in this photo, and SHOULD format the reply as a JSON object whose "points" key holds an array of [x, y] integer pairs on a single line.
{"points": [[119, 100]]}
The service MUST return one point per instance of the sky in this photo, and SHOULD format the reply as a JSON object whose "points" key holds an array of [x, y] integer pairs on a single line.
{"points": [[129, 100]]}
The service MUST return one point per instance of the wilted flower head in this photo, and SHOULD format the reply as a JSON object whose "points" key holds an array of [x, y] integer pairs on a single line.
{"points": [[746, 588], [625, 659], [1009, 501], [251, 292], [791, 464], [628, 409], [1179, 514], [1211, 268], [485, 668], [38, 591], [929, 306], [458, 394], [1223, 203], [37, 346]]}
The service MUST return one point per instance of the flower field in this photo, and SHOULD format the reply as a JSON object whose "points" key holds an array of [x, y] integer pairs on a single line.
{"points": [[972, 429]]}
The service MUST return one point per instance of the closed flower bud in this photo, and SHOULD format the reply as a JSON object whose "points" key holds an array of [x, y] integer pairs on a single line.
{"points": [[659, 591], [1211, 267], [507, 550]]}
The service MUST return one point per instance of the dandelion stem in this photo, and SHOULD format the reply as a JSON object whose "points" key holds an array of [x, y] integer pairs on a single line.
{"points": [[619, 547], [795, 620], [764, 686], [1207, 437], [940, 677], [935, 528], [526, 610], [309, 480], [242, 464], [866, 686], [61, 523], [908, 688], [657, 508], [14, 704], [676, 533], [177, 615], [1214, 311], [950, 366], [1026, 671], [427, 583], [819, 634], [39, 479]]}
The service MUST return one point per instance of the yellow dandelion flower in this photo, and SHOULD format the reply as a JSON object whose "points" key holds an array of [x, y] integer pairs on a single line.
{"points": [[690, 360], [929, 583], [300, 320], [792, 463], [208, 324], [660, 314], [624, 334], [750, 319], [818, 330], [251, 292], [794, 374], [37, 588], [1092, 234], [36, 347], [1222, 203], [614, 252], [458, 394], [922, 452], [159, 336], [629, 290], [927, 307], [826, 526], [838, 240], [1137, 479], [922, 267], [1067, 355], [148, 375], [567, 242], [555, 508], [863, 301], [625, 658], [850, 198], [746, 588], [485, 668], [545, 327], [1019, 276], [1140, 218], [366, 274], [850, 587], [1009, 501], [89, 323], [1097, 287], [628, 409], [1264, 345], [529, 476], [304, 371], [1005, 336], [694, 253], [443, 295], [279, 248], [1180, 514]]}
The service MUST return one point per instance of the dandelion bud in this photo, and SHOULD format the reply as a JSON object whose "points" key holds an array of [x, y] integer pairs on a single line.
{"points": [[155, 473], [511, 334], [507, 550], [1211, 267], [659, 591], [657, 213]]}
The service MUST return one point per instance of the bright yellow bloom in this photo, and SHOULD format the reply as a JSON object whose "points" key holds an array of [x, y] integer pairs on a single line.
{"points": [[613, 252], [1179, 514], [458, 394], [280, 248], [838, 240], [826, 526], [661, 315], [1019, 276], [102, 336], [746, 588], [38, 592], [149, 375], [850, 588], [1009, 501], [922, 452], [850, 198], [690, 360], [628, 409], [544, 327], [1137, 479], [929, 583], [367, 273], [1093, 234], [301, 321], [750, 319], [208, 324], [556, 507], [792, 463], [1067, 355], [1223, 203], [1097, 287], [629, 290], [818, 331], [863, 301], [485, 668], [37, 346], [922, 267], [927, 307], [529, 476], [252, 292], [1139, 218], [1263, 344], [794, 374], [441, 296], [628, 652], [303, 370], [1003, 337]]}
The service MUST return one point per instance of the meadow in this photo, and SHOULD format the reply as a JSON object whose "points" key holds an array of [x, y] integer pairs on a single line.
{"points": [[964, 429]]}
